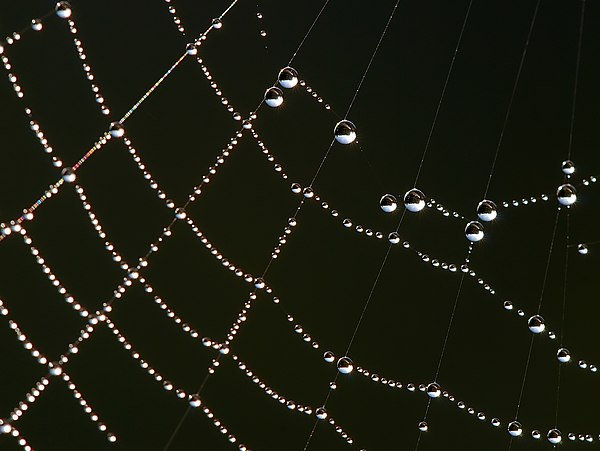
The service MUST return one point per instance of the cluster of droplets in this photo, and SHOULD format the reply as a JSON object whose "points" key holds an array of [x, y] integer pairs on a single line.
{"points": [[176, 19]]}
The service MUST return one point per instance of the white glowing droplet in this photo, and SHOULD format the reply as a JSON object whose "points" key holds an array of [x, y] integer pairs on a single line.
{"points": [[515, 429], [345, 365], [216, 23], [394, 238], [423, 426], [180, 213], [563, 355], [414, 200], [63, 10], [568, 167], [582, 249], [329, 356], [388, 203], [68, 175], [566, 194], [536, 434], [116, 130], [536, 324], [288, 77], [487, 211], [191, 49], [554, 436], [195, 401], [345, 132], [36, 25], [474, 231], [274, 97], [5, 428], [434, 390], [259, 283], [55, 369], [321, 413]]}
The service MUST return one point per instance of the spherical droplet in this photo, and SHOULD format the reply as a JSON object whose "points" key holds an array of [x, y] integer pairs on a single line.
{"points": [[216, 23], [259, 283], [515, 429], [321, 413], [568, 167], [536, 324], [434, 390], [474, 231], [328, 356], [536, 434], [566, 194], [68, 175], [55, 369], [563, 355], [486, 210], [273, 97], [582, 249], [195, 401], [116, 130], [5, 428], [36, 25], [388, 203], [414, 200], [345, 132], [296, 188], [554, 436], [345, 365], [63, 10], [288, 77], [180, 213], [423, 427], [191, 49], [495, 422], [394, 238]]}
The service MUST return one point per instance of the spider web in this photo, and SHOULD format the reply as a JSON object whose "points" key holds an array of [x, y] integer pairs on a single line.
{"points": [[242, 226]]}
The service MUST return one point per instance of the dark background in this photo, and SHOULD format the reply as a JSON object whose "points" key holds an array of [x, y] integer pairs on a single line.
{"points": [[325, 272]]}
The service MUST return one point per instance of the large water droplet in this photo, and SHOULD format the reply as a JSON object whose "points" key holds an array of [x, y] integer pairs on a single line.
{"points": [[423, 427], [288, 77], [63, 10], [582, 249], [554, 436], [345, 365], [414, 200], [566, 194], [68, 175], [273, 97], [563, 355], [568, 167], [515, 429], [434, 390], [474, 231], [486, 210], [345, 132], [536, 324], [116, 130], [388, 203]]}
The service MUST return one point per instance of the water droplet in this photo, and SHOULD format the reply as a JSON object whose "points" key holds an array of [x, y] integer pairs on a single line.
{"points": [[195, 401], [554, 436], [36, 25], [515, 429], [508, 305], [180, 213], [566, 194], [536, 434], [563, 355], [388, 203], [536, 324], [63, 10], [394, 238], [216, 23], [434, 390], [328, 356], [55, 369], [414, 200], [288, 77], [495, 422], [345, 365], [296, 188], [345, 132], [273, 97], [68, 175], [486, 210], [423, 427], [116, 130], [259, 283], [321, 413], [191, 49], [582, 249], [474, 231], [568, 167], [308, 192]]}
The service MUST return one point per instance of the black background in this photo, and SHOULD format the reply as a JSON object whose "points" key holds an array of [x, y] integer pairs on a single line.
{"points": [[325, 272]]}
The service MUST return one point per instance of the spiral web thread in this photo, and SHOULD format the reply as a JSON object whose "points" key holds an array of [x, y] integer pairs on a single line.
{"points": [[58, 368]]}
